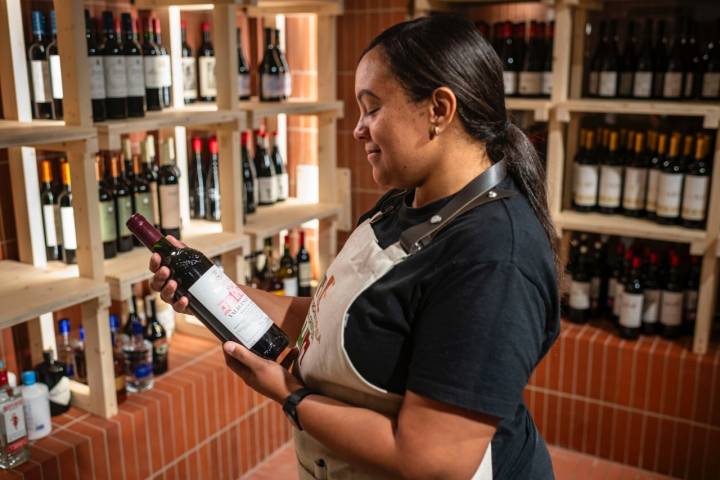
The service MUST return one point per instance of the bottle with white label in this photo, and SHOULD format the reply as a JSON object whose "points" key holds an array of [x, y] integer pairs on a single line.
{"points": [[150, 174], [636, 170], [266, 175], [116, 82], [214, 298], [608, 75], [163, 66], [96, 72], [671, 300], [651, 296], [134, 68], [271, 73], [579, 303], [48, 202], [304, 268], [611, 178], [645, 67], [206, 66], [39, 69], [36, 404], [622, 278], [586, 174], [657, 144], [675, 68], [632, 303], [670, 183], [55, 71], [67, 217], [288, 271], [284, 67], [243, 70], [169, 190], [53, 374], [189, 68], [696, 187], [106, 209], [710, 83]]}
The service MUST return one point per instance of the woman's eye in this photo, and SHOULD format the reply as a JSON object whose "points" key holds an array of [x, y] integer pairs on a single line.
{"points": [[372, 111]]}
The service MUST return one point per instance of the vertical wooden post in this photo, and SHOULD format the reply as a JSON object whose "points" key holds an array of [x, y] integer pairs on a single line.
{"points": [[99, 360], [579, 19]]}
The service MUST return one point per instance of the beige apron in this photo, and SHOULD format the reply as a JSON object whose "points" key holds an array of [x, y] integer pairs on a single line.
{"points": [[323, 363]]}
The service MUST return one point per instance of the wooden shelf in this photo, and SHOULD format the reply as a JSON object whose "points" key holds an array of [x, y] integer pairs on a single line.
{"points": [[132, 267], [710, 111], [268, 221], [41, 132], [293, 107], [27, 292], [539, 106]]}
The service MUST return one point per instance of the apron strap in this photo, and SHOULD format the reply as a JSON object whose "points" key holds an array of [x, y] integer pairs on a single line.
{"points": [[477, 192]]}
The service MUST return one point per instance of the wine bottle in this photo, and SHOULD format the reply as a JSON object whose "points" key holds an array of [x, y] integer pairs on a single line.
{"points": [[303, 268], [214, 298], [55, 70], [530, 78], [586, 174], [116, 82], [250, 181], [690, 300], [206, 66], [611, 178], [546, 82], [150, 175], [243, 71], [156, 335], [153, 68], [636, 172], [134, 68], [675, 67], [281, 174], [654, 169], [285, 68], [628, 63], [511, 63], [661, 60], [142, 193], [696, 188], [518, 35], [39, 71], [597, 278], [288, 271], [710, 88], [169, 190], [670, 182], [137, 352], [671, 299], [118, 361], [622, 279], [123, 196], [133, 317], [190, 93], [108, 226], [632, 303], [608, 75], [596, 61], [691, 75], [197, 181], [271, 79], [48, 202], [67, 217], [97, 72], [163, 65], [267, 183], [212, 188], [645, 67], [651, 296], [580, 288]]}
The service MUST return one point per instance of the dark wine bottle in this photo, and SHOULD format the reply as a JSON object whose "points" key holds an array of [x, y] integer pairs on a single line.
{"points": [[132, 318], [546, 82], [675, 67], [632, 303], [693, 70], [690, 301], [661, 60], [651, 295], [48, 202], [610, 64], [153, 68], [97, 72], [212, 185], [710, 87], [628, 63], [67, 217], [250, 181], [670, 183], [214, 298], [596, 61], [288, 271], [106, 208], [122, 193], [163, 65], [206, 66], [696, 188], [530, 78], [115, 70], [580, 288], [134, 68], [149, 173], [671, 299], [281, 174], [511, 62], [598, 284], [169, 190], [267, 182], [271, 79], [39, 71], [615, 269], [189, 67], [586, 174], [636, 172], [658, 145], [54, 374], [198, 207], [243, 71], [645, 67], [611, 178], [142, 193], [155, 333], [285, 68], [303, 268], [55, 70]]}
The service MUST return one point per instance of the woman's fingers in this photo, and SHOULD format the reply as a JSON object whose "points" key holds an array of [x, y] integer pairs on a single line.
{"points": [[159, 279], [168, 291], [155, 262], [181, 306], [175, 241]]}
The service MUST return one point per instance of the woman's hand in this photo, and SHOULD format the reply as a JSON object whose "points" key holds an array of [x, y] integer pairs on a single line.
{"points": [[167, 288], [264, 376]]}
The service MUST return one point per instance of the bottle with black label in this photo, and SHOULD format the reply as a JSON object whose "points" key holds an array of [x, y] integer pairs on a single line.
{"points": [[243, 71], [661, 60], [48, 200], [122, 192], [645, 67], [189, 68], [304, 268], [116, 82], [608, 75], [670, 183], [632, 303], [96, 71], [288, 271], [671, 299], [675, 67], [198, 207], [579, 311], [636, 171], [163, 65], [206, 66], [586, 174], [654, 169], [510, 59], [546, 83], [67, 217], [55, 70], [106, 207], [153, 68], [149, 173], [696, 187], [271, 75], [134, 68], [611, 178], [651, 295], [628, 63], [169, 190], [212, 183], [250, 181], [39, 70]]}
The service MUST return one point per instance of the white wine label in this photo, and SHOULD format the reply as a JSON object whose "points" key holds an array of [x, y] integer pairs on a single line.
{"points": [[97, 78], [40, 81], [634, 193], [631, 310], [619, 294], [608, 84], [626, 84], [189, 69], [125, 211], [67, 217], [207, 76], [153, 71], [13, 420], [226, 302], [651, 306], [283, 186], [642, 85], [135, 75], [689, 80], [287, 84], [163, 65], [155, 204], [579, 295], [268, 189], [530, 83], [691, 299], [711, 85], [58, 222], [668, 194], [651, 199], [60, 393], [290, 287], [695, 197], [586, 185], [272, 86], [115, 76], [170, 206], [671, 308], [49, 222], [144, 204], [593, 80], [672, 88], [546, 83], [610, 186], [305, 274], [56, 76], [108, 229], [510, 82], [243, 80]]}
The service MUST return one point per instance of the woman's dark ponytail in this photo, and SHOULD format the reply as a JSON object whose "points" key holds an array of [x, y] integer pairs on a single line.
{"points": [[443, 50]]}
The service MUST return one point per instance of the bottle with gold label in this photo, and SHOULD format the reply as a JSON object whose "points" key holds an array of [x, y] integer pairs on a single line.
{"points": [[635, 178], [696, 187], [670, 183], [611, 177], [657, 145]]}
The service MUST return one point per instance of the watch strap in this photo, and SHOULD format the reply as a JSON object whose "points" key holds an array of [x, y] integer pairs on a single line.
{"points": [[291, 403]]}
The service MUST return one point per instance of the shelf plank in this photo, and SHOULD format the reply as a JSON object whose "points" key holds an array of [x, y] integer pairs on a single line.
{"points": [[293, 107], [269, 221], [40, 132], [710, 111], [132, 267], [27, 292], [539, 106], [254, 8]]}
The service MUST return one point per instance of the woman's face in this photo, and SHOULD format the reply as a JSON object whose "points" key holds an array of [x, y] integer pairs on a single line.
{"points": [[393, 129]]}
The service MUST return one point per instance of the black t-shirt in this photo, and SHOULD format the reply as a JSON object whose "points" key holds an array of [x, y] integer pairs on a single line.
{"points": [[465, 320]]}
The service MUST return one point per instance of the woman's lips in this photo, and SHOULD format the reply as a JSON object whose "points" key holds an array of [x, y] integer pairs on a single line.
{"points": [[373, 154]]}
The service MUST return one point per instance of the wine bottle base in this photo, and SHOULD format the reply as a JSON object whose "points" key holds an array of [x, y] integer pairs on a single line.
{"points": [[634, 213], [649, 328], [52, 253], [671, 331], [109, 249], [628, 333], [609, 210], [124, 244], [584, 208], [578, 316], [70, 257], [666, 220]]}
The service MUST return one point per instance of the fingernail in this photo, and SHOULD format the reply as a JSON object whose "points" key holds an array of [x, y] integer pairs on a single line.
{"points": [[229, 347]]}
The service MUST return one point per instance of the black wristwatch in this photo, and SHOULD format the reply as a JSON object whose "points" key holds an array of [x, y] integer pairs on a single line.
{"points": [[290, 405]]}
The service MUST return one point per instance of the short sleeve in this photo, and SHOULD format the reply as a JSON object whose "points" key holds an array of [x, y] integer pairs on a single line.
{"points": [[477, 335]]}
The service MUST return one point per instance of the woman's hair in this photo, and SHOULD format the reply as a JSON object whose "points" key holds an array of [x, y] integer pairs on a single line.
{"points": [[444, 50]]}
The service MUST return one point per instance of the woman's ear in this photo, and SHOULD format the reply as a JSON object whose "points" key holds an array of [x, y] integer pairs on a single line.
{"points": [[443, 106]]}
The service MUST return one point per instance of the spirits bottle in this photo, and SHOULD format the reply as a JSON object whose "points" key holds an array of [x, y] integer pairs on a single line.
{"points": [[66, 355], [36, 405], [118, 361], [138, 361], [78, 346], [54, 375], [156, 335], [13, 434]]}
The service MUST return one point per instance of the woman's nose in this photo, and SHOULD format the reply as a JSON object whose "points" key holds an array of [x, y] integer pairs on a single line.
{"points": [[360, 132]]}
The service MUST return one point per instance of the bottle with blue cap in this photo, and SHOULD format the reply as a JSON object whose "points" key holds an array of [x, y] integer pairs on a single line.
{"points": [[65, 353], [39, 68], [78, 346], [138, 361], [36, 403]]}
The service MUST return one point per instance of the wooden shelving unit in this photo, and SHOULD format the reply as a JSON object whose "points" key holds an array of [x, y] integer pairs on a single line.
{"points": [[332, 108], [269, 221], [48, 134], [253, 8], [540, 107]]}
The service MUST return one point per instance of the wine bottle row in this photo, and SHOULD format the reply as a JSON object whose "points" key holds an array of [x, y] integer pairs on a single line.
{"points": [[659, 176], [683, 66], [527, 64], [265, 177], [290, 275], [643, 287]]}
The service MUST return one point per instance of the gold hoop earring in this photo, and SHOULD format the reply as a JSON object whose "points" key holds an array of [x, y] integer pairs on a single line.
{"points": [[434, 131]]}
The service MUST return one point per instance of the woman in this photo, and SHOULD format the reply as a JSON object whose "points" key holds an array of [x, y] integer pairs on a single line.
{"points": [[417, 346]]}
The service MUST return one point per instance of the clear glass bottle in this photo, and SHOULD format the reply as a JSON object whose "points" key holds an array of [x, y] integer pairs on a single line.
{"points": [[138, 361], [65, 351], [13, 435]]}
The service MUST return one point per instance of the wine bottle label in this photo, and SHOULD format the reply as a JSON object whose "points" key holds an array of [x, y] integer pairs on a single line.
{"points": [[155, 204], [304, 274], [510, 82], [272, 86], [13, 421], [631, 310], [108, 229], [672, 88], [671, 308], [189, 69], [593, 81], [67, 218], [546, 83], [228, 304], [586, 185], [144, 204], [579, 295], [164, 68], [287, 84], [207, 76], [668, 194], [690, 307], [49, 222], [154, 71], [626, 84], [135, 75], [160, 347], [530, 83], [634, 193], [695, 197], [115, 76], [283, 186], [619, 294], [290, 286], [169, 206], [610, 186], [56, 77], [651, 306], [268, 189], [58, 222], [41, 81], [97, 78], [651, 199], [124, 212], [607, 84], [689, 80], [60, 392], [243, 80], [642, 85], [711, 85]]}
